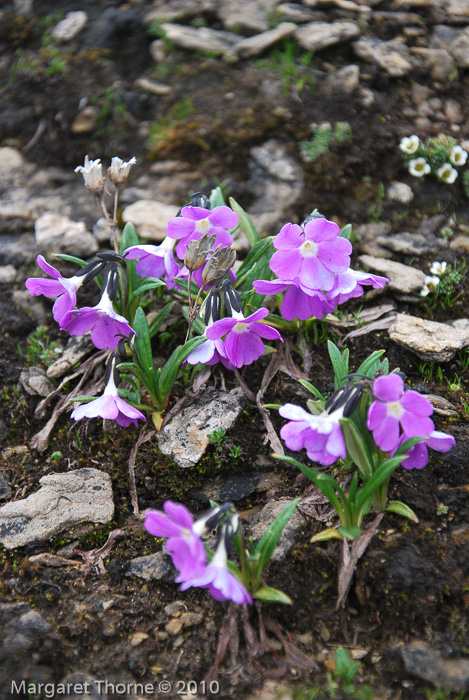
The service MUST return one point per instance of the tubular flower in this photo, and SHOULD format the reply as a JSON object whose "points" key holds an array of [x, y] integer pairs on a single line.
{"points": [[195, 222], [394, 408], [155, 261], [298, 301], [321, 435], [313, 255], [349, 284], [63, 289]]}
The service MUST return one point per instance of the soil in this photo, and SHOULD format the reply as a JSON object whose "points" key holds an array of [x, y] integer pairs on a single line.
{"points": [[412, 582]]}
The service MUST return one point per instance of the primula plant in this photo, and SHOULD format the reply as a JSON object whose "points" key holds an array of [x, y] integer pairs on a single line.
{"points": [[440, 156]]}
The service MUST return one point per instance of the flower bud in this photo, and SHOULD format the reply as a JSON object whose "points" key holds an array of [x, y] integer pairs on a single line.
{"points": [[119, 171], [93, 176], [197, 251], [199, 199], [216, 268]]}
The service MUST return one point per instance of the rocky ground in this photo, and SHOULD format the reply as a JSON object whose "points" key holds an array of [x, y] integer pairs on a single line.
{"points": [[287, 107]]}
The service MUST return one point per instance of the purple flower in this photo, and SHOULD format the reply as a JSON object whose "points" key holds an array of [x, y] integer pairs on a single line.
{"points": [[105, 324], [313, 255], [396, 408], [298, 301], [209, 353], [321, 435], [110, 406], [349, 284], [155, 261], [194, 222], [243, 342], [418, 454], [222, 584], [184, 544], [63, 289]]}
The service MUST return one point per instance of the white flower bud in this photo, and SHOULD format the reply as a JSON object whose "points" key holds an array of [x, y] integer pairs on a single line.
{"points": [[93, 176], [119, 170]]}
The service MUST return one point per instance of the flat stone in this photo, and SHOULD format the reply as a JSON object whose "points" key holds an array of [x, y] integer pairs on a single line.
{"points": [[315, 36], [72, 24], [346, 80], [412, 243], [233, 489], [246, 15], [428, 339], [59, 234], [400, 192], [438, 62], [152, 86], [391, 56], [367, 235], [150, 218], [8, 274], [402, 278], [455, 41], [255, 45], [457, 11], [426, 663], [201, 38], [185, 437], [85, 121], [153, 567], [290, 532], [64, 502], [77, 348], [179, 9], [293, 12], [10, 158], [34, 382], [5, 488]]}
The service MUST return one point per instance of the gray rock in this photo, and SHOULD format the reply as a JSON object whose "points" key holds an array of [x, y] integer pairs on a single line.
{"points": [[178, 9], [8, 274], [86, 120], [400, 192], [185, 437], [412, 243], [457, 11], [428, 339], [153, 567], [59, 234], [34, 382], [77, 348], [150, 218], [201, 38], [64, 502], [18, 250], [232, 489], [152, 86], [402, 278], [367, 235], [72, 24], [32, 623], [250, 15], [255, 45], [426, 663], [345, 80], [455, 41], [431, 225], [391, 56], [5, 488], [293, 12], [289, 535], [438, 62], [320, 35]]}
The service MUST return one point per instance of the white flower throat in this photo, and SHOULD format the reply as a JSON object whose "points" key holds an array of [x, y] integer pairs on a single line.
{"points": [[309, 249]]}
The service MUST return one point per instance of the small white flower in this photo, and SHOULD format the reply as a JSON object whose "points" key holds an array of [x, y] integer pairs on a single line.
{"points": [[418, 167], [447, 173], [458, 155], [431, 283], [93, 176], [119, 171], [409, 144], [438, 268]]}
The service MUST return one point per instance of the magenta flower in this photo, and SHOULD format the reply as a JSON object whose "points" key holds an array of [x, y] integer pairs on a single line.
{"points": [[313, 255], [243, 342], [155, 261], [110, 406], [396, 407], [298, 301], [63, 289], [184, 544], [418, 454], [194, 222], [209, 353], [349, 284], [222, 584], [321, 435]]}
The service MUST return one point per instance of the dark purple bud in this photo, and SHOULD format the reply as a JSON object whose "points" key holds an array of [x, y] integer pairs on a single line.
{"points": [[199, 199], [110, 256], [314, 215], [231, 298], [95, 267]]}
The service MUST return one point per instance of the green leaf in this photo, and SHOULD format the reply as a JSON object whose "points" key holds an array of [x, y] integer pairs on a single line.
{"points": [[245, 223], [329, 534], [256, 252], [150, 283], [401, 509], [339, 362], [135, 369], [312, 389], [315, 407], [143, 347], [171, 368], [84, 399], [129, 238], [272, 595], [343, 662], [351, 533], [383, 473], [70, 258], [356, 448], [346, 231], [269, 540], [157, 321], [198, 325], [407, 445], [216, 198], [272, 405], [371, 364]]}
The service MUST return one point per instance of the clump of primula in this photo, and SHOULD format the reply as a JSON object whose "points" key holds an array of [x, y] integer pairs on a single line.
{"points": [[439, 156]]}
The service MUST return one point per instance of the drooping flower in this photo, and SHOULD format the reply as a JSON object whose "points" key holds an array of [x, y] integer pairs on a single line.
{"points": [[321, 435], [63, 289], [195, 222], [298, 301], [349, 284], [409, 144], [458, 156], [313, 255], [438, 268], [418, 454], [119, 170], [110, 405], [105, 324], [243, 344], [395, 408], [93, 176], [418, 167], [447, 173], [155, 261]]}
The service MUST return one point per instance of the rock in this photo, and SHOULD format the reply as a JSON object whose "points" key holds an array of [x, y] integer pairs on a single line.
{"points": [[122, 34], [320, 35], [438, 62], [180, 9], [5, 488], [367, 235], [255, 45], [457, 11], [64, 501], [77, 348], [150, 218], [185, 437], [426, 663], [400, 192], [153, 567], [455, 41], [412, 243], [233, 489], [34, 382], [85, 121], [431, 225], [391, 56], [158, 50], [72, 24], [250, 15], [10, 159], [345, 80], [8, 274], [201, 38], [15, 320], [152, 86], [293, 12], [289, 534], [402, 278], [102, 230], [59, 234], [428, 339], [18, 250]]}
